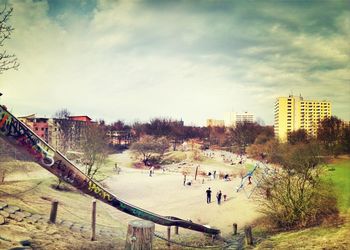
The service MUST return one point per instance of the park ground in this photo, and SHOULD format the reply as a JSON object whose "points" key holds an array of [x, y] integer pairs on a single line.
{"points": [[29, 187]]}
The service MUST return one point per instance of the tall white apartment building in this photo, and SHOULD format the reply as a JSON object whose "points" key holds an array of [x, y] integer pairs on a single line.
{"points": [[232, 118]]}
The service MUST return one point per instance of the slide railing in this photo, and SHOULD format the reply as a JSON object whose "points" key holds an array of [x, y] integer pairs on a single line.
{"points": [[24, 139]]}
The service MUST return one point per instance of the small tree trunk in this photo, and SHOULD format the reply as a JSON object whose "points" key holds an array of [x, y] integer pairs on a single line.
{"points": [[139, 235]]}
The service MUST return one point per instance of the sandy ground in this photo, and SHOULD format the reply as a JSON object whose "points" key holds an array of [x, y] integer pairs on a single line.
{"points": [[165, 194]]}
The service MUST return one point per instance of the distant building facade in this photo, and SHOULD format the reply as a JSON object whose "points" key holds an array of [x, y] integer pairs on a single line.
{"points": [[215, 123], [293, 113], [59, 133], [232, 118], [120, 138], [39, 125]]}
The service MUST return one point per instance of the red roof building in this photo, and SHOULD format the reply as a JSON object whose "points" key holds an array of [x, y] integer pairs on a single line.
{"points": [[82, 118]]}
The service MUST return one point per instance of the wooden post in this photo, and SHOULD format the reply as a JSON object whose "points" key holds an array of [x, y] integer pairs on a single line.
{"points": [[268, 193], [234, 225], [176, 230], [195, 176], [53, 213], [248, 235], [2, 176], [93, 221], [168, 231], [139, 235]]}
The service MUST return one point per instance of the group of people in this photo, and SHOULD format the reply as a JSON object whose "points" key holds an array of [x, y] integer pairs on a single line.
{"points": [[219, 196]]}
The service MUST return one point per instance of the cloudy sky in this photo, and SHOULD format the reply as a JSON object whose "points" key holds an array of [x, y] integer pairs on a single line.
{"points": [[134, 60]]}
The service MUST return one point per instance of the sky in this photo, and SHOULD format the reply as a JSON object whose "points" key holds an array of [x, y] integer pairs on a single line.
{"points": [[191, 60]]}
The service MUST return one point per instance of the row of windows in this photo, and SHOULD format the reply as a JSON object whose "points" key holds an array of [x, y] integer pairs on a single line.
{"points": [[42, 129]]}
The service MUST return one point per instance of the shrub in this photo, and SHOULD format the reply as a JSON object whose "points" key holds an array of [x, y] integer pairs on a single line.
{"points": [[297, 196]]}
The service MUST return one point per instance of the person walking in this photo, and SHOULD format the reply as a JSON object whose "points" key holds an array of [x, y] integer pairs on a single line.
{"points": [[218, 197], [151, 171], [208, 195]]}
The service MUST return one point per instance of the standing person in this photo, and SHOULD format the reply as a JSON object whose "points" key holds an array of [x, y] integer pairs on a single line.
{"points": [[151, 171], [208, 195], [218, 197], [184, 179]]}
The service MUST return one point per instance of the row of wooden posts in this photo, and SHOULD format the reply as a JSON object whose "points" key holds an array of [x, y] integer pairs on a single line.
{"points": [[53, 216], [140, 233]]}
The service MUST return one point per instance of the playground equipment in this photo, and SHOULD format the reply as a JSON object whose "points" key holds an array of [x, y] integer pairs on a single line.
{"points": [[253, 180], [24, 139]]}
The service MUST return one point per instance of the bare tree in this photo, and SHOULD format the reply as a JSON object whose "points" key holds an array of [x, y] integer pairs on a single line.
{"points": [[297, 195], [7, 61], [66, 129], [95, 149], [244, 134], [329, 134], [149, 147], [298, 136]]}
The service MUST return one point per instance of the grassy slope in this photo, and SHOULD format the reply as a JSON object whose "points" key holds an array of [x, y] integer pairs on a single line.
{"points": [[32, 193], [341, 179], [28, 193], [321, 237]]}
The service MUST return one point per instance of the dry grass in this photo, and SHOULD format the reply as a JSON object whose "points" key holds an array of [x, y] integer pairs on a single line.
{"points": [[323, 237]]}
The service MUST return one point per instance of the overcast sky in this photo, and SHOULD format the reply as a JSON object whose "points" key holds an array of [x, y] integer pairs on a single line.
{"points": [[135, 60]]}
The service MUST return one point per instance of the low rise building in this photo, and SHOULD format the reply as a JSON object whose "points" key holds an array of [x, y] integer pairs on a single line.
{"points": [[215, 123]]}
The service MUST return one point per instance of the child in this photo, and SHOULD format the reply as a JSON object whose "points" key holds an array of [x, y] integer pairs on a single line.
{"points": [[225, 197]]}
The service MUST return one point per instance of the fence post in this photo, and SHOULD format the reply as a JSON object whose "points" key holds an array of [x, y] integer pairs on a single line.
{"points": [[248, 235], [168, 232], [234, 225], [53, 213], [2, 176], [93, 221], [176, 230], [195, 176]]}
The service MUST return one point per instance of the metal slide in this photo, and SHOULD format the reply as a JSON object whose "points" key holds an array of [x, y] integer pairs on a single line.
{"points": [[23, 138]]}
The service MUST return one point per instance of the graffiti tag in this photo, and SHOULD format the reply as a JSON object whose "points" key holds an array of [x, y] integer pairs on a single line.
{"points": [[99, 191]]}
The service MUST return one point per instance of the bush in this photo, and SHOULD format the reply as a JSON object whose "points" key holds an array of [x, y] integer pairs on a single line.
{"points": [[296, 196]]}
